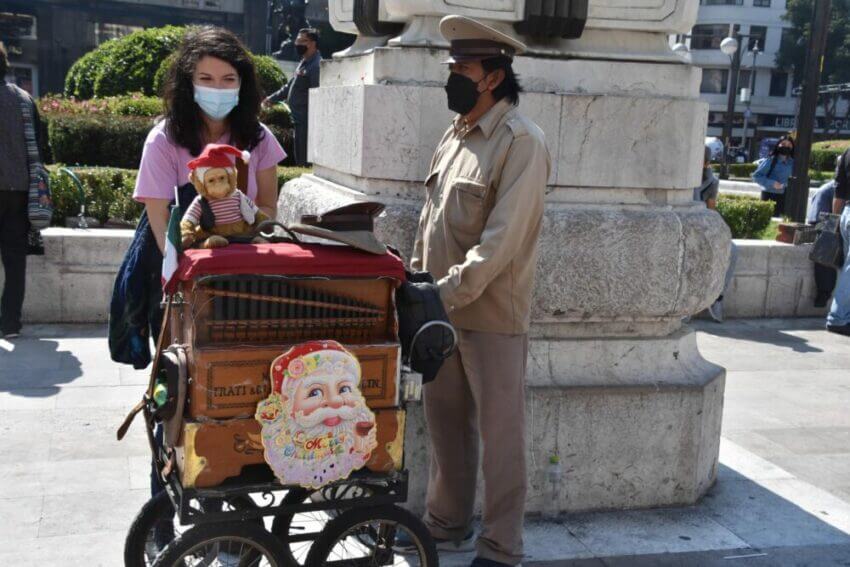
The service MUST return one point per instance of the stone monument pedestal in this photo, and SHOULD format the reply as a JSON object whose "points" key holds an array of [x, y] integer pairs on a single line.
{"points": [[616, 386]]}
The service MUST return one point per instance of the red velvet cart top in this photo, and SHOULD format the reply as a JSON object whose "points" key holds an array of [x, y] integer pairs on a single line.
{"points": [[286, 259]]}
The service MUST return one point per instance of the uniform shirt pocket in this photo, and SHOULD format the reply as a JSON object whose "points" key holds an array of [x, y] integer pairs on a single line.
{"points": [[465, 210]]}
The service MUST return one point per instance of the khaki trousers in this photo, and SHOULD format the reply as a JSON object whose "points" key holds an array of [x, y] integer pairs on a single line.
{"points": [[480, 390]]}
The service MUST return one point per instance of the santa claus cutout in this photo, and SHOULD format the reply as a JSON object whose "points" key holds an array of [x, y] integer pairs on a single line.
{"points": [[316, 427]]}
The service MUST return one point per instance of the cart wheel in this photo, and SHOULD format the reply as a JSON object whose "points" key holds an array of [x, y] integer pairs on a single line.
{"points": [[366, 536], [155, 526], [230, 544], [298, 531]]}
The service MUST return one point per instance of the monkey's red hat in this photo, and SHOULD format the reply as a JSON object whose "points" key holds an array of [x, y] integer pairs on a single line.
{"points": [[218, 155]]}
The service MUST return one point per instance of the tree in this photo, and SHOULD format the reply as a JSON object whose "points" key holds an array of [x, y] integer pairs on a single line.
{"points": [[836, 65], [792, 53]]}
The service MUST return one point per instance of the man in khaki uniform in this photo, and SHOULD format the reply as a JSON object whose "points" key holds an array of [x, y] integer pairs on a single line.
{"points": [[478, 236]]}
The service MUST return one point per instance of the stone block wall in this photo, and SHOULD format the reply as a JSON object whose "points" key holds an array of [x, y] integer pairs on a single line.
{"points": [[72, 282], [772, 279]]}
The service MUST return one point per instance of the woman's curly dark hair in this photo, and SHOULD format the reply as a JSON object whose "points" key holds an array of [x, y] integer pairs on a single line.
{"points": [[184, 121]]}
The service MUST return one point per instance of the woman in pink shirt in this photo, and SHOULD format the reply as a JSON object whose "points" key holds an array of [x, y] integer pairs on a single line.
{"points": [[211, 95]]}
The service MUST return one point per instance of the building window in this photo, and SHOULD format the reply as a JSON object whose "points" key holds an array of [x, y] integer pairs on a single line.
{"points": [[758, 35], [714, 81], [17, 26], [708, 36], [761, 3], [722, 2], [744, 80], [778, 83], [104, 31]]}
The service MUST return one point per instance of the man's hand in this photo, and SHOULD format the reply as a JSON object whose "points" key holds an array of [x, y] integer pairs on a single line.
{"points": [[777, 185]]}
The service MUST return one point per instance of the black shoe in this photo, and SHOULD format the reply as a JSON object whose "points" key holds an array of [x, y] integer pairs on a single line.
{"points": [[481, 562], [839, 329]]}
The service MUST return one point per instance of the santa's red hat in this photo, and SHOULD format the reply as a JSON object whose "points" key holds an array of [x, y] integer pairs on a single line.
{"points": [[293, 364], [218, 155]]}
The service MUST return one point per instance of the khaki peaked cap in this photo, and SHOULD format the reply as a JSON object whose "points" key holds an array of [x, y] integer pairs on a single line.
{"points": [[471, 40]]}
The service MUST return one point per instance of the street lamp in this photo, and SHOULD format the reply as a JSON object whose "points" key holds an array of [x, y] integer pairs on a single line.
{"points": [[729, 46], [747, 96]]}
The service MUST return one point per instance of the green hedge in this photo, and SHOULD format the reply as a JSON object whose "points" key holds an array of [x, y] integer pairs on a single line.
{"points": [[109, 192], [825, 153], [139, 61], [737, 169], [111, 131], [747, 217], [123, 65], [98, 139], [269, 73]]}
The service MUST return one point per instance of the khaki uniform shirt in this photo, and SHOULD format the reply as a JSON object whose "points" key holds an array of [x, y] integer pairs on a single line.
{"points": [[479, 227]]}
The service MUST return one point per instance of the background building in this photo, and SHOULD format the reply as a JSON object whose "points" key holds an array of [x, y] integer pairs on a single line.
{"points": [[773, 107], [45, 37]]}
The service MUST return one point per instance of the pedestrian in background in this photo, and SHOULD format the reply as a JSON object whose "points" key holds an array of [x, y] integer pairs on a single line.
{"points": [[710, 187], [838, 320], [14, 197], [825, 277], [773, 173], [296, 92]]}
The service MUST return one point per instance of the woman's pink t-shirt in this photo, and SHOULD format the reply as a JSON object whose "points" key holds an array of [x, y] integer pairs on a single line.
{"points": [[163, 166]]}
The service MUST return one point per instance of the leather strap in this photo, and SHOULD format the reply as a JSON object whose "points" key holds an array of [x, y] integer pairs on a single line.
{"points": [[125, 425]]}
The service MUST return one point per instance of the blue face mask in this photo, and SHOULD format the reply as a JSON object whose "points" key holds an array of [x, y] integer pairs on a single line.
{"points": [[216, 103]]}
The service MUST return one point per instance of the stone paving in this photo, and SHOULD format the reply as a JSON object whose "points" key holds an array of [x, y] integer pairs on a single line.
{"points": [[69, 490]]}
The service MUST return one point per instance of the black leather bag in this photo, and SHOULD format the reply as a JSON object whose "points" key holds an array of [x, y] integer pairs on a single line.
{"points": [[828, 249], [427, 338]]}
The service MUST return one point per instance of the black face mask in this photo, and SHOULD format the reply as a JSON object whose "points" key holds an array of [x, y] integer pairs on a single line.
{"points": [[300, 49], [462, 93], [785, 151]]}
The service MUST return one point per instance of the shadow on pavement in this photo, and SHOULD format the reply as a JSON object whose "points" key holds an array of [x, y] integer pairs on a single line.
{"points": [[35, 367], [777, 532], [765, 332]]}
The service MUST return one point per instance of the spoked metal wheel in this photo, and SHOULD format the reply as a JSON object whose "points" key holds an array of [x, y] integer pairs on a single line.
{"points": [[156, 525], [368, 537], [231, 544], [298, 531]]}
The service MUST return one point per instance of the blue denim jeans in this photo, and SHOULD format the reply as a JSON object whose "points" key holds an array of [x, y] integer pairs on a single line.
{"points": [[839, 313]]}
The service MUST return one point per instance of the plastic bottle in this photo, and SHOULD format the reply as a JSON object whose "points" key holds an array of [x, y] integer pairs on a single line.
{"points": [[160, 394]]}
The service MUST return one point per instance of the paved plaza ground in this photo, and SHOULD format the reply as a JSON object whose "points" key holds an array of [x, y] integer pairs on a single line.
{"points": [[69, 490]]}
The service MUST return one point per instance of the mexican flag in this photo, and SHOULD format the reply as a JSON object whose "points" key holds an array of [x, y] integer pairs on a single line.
{"points": [[172, 246]]}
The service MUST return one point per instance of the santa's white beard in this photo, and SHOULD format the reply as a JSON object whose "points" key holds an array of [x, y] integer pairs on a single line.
{"points": [[296, 468]]}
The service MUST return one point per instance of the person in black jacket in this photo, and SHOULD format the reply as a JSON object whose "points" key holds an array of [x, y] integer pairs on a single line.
{"points": [[296, 92], [14, 195]]}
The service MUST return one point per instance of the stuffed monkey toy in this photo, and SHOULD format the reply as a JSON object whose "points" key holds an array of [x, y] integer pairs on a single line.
{"points": [[220, 209]]}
